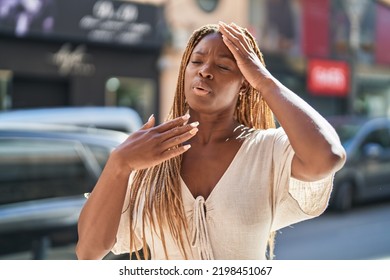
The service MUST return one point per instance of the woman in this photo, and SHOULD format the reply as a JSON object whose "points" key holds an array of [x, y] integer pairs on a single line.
{"points": [[217, 178]]}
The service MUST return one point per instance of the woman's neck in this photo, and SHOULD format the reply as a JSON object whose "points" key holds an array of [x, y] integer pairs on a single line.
{"points": [[213, 129]]}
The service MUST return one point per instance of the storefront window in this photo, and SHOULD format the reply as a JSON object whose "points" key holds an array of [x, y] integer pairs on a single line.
{"points": [[361, 37], [276, 25], [136, 93], [5, 82], [373, 98]]}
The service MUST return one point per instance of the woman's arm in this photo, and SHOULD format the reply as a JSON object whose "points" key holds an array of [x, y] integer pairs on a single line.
{"points": [[317, 147], [100, 216]]}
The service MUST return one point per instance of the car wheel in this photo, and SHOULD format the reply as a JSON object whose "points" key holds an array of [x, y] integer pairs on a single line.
{"points": [[344, 197]]}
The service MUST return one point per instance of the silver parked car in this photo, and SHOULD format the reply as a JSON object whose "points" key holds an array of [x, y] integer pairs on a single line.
{"points": [[45, 172], [114, 118], [366, 175]]}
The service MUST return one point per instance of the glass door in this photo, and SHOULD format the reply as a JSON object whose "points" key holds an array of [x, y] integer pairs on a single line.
{"points": [[136, 93], [5, 83]]}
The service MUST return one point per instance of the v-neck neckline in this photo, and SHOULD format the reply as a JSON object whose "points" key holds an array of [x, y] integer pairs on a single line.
{"points": [[235, 158]]}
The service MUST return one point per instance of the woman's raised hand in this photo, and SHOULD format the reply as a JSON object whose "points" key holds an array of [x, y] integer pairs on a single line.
{"points": [[152, 144], [247, 60]]}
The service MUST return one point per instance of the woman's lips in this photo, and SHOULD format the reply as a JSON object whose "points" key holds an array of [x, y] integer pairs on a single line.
{"points": [[201, 89]]}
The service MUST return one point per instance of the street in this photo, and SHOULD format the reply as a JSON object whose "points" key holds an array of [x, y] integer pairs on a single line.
{"points": [[361, 234]]}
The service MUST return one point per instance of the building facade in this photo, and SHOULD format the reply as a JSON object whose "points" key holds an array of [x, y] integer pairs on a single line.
{"points": [[56, 53], [333, 53], [337, 50]]}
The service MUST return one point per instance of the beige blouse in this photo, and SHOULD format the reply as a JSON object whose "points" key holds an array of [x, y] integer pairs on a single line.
{"points": [[256, 195]]}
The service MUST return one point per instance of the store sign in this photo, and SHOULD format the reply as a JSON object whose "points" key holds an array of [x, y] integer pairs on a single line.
{"points": [[72, 61], [108, 22], [328, 77]]}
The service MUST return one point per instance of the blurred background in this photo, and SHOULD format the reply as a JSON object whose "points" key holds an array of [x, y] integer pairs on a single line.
{"points": [[59, 58]]}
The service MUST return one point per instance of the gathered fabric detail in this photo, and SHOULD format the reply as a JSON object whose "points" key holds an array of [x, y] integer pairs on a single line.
{"points": [[200, 234]]}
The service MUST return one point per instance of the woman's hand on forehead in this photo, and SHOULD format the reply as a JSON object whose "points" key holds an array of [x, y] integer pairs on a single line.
{"points": [[247, 60]]}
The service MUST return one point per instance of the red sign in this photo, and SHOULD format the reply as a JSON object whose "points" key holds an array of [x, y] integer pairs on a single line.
{"points": [[328, 77], [315, 27], [382, 54]]}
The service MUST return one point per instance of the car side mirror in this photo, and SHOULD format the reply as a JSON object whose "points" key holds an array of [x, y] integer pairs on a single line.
{"points": [[372, 150]]}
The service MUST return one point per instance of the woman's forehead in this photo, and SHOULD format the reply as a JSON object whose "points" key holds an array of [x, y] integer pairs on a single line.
{"points": [[212, 43]]}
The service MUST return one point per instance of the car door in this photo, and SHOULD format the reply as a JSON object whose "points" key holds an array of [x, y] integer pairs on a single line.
{"points": [[42, 186], [35, 169], [374, 157]]}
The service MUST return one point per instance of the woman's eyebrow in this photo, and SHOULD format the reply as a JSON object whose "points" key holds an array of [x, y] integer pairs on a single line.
{"points": [[221, 55], [199, 52], [227, 55]]}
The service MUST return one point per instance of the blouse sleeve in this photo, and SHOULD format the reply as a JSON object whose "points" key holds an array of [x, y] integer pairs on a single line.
{"points": [[122, 244], [294, 200]]}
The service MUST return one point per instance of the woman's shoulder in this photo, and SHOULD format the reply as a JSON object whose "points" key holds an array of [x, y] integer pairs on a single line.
{"points": [[263, 143], [265, 140], [269, 134]]}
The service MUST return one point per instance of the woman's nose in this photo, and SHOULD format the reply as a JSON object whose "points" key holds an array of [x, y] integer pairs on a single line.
{"points": [[205, 72]]}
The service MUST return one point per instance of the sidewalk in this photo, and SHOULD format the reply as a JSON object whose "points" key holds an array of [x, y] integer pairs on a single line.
{"points": [[60, 253]]}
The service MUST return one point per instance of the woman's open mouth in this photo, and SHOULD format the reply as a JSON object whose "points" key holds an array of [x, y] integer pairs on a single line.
{"points": [[201, 89]]}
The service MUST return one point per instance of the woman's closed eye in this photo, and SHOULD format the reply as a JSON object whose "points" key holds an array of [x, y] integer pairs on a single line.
{"points": [[224, 67], [220, 66]]}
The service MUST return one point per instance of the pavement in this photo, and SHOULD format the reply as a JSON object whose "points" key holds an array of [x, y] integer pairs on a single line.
{"points": [[60, 253]]}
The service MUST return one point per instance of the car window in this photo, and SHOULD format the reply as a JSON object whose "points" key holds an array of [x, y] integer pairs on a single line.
{"points": [[35, 168], [99, 153], [379, 136], [346, 132]]}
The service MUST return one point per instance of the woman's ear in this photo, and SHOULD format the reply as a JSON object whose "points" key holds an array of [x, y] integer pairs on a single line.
{"points": [[244, 87]]}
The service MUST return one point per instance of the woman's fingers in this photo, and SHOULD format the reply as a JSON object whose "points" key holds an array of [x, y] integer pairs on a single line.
{"points": [[175, 132], [152, 145], [180, 121], [171, 136], [228, 37], [179, 135], [234, 37], [232, 33], [150, 123], [176, 151]]}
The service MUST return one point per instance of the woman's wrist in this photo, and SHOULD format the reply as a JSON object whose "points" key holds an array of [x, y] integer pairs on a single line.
{"points": [[267, 86], [118, 165]]}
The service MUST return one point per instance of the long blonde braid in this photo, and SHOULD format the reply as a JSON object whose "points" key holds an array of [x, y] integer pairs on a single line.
{"points": [[159, 186]]}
